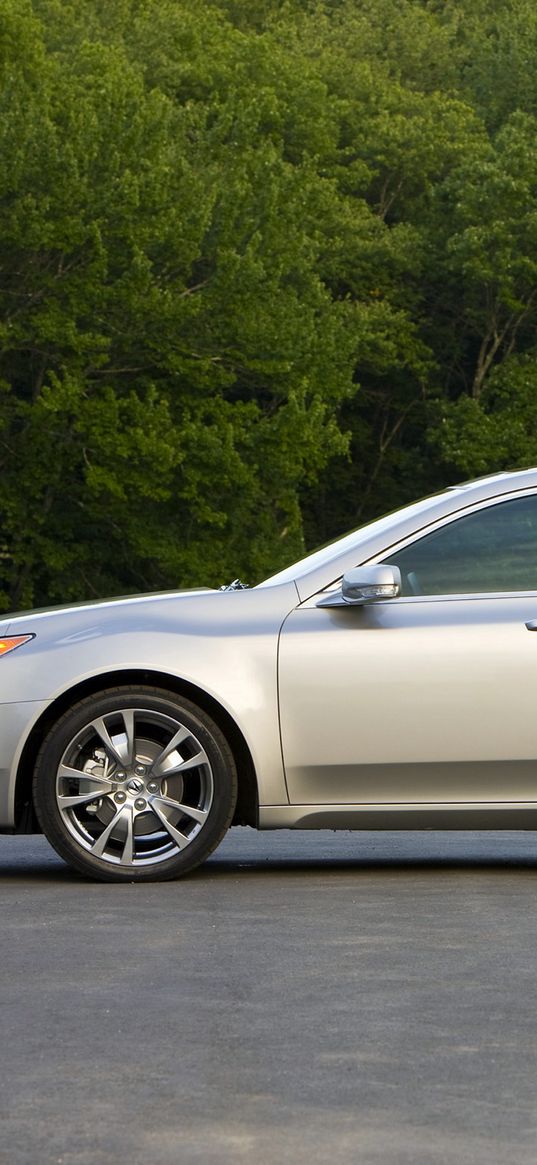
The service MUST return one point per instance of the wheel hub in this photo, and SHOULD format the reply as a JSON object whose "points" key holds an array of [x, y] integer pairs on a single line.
{"points": [[135, 785]]}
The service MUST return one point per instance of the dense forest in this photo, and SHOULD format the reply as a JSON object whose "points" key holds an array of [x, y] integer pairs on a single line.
{"points": [[268, 269]]}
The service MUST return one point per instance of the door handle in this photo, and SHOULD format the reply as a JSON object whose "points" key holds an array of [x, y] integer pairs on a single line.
{"points": [[532, 625]]}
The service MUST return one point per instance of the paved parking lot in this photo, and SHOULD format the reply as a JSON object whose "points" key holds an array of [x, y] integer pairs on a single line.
{"points": [[304, 997]]}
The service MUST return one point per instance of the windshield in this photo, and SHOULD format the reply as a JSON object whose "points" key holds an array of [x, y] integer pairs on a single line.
{"points": [[340, 546]]}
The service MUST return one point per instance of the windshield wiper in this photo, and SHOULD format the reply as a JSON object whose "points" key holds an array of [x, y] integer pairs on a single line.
{"points": [[236, 585]]}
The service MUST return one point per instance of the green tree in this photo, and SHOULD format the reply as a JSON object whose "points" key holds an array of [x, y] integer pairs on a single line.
{"points": [[267, 269], [166, 339]]}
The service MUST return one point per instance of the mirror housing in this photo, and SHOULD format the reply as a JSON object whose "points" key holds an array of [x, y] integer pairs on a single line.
{"points": [[364, 584]]}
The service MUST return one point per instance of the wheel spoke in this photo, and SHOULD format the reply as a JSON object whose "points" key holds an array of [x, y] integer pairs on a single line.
{"points": [[180, 838], [128, 848], [192, 762], [171, 746], [121, 747], [69, 802], [100, 845], [189, 810], [101, 786], [70, 774]]}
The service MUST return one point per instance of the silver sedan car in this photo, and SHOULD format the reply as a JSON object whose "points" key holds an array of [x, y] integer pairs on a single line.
{"points": [[384, 682]]}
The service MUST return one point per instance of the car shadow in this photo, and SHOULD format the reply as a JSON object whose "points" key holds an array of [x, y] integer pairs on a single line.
{"points": [[24, 859], [328, 866]]}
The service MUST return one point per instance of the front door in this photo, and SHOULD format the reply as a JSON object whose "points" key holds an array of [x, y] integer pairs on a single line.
{"points": [[429, 698]]}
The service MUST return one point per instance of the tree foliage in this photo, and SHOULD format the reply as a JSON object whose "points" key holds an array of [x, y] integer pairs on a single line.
{"points": [[267, 268]]}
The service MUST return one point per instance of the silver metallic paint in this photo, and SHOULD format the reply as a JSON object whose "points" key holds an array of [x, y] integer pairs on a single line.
{"points": [[222, 642], [407, 683], [413, 709]]}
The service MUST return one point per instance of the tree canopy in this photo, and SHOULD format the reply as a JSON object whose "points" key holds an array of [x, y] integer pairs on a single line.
{"points": [[267, 269]]}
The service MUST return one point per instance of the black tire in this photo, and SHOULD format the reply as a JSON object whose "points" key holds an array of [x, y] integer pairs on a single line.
{"points": [[135, 784]]}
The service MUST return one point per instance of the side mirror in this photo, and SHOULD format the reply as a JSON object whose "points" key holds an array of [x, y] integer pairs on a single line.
{"points": [[365, 584]]}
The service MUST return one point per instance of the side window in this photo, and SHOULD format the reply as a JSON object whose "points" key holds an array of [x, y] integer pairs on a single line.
{"points": [[494, 549]]}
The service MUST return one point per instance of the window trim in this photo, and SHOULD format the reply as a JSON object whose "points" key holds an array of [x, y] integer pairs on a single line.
{"points": [[466, 596], [417, 536]]}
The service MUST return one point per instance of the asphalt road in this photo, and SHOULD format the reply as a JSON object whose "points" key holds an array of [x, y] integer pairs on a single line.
{"points": [[320, 998]]}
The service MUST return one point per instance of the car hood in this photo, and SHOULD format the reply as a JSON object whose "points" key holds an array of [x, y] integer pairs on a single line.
{"points": [[200, 611], [99, 605]]}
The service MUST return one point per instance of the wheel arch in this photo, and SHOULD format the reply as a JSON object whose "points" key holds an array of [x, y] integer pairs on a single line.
{"points": [[247, 808]]}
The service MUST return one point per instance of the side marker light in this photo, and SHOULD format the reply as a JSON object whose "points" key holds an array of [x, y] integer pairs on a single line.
{"points": [[13, 641]]}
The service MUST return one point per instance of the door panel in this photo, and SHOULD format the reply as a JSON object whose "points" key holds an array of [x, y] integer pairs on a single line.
{"points": [[410, 701]]}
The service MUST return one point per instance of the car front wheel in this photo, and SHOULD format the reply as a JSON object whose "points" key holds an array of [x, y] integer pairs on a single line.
{"points": [[135, 784]]}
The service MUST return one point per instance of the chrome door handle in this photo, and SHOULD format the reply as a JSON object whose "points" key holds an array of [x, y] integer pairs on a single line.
{"points": [[532, 624]]}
